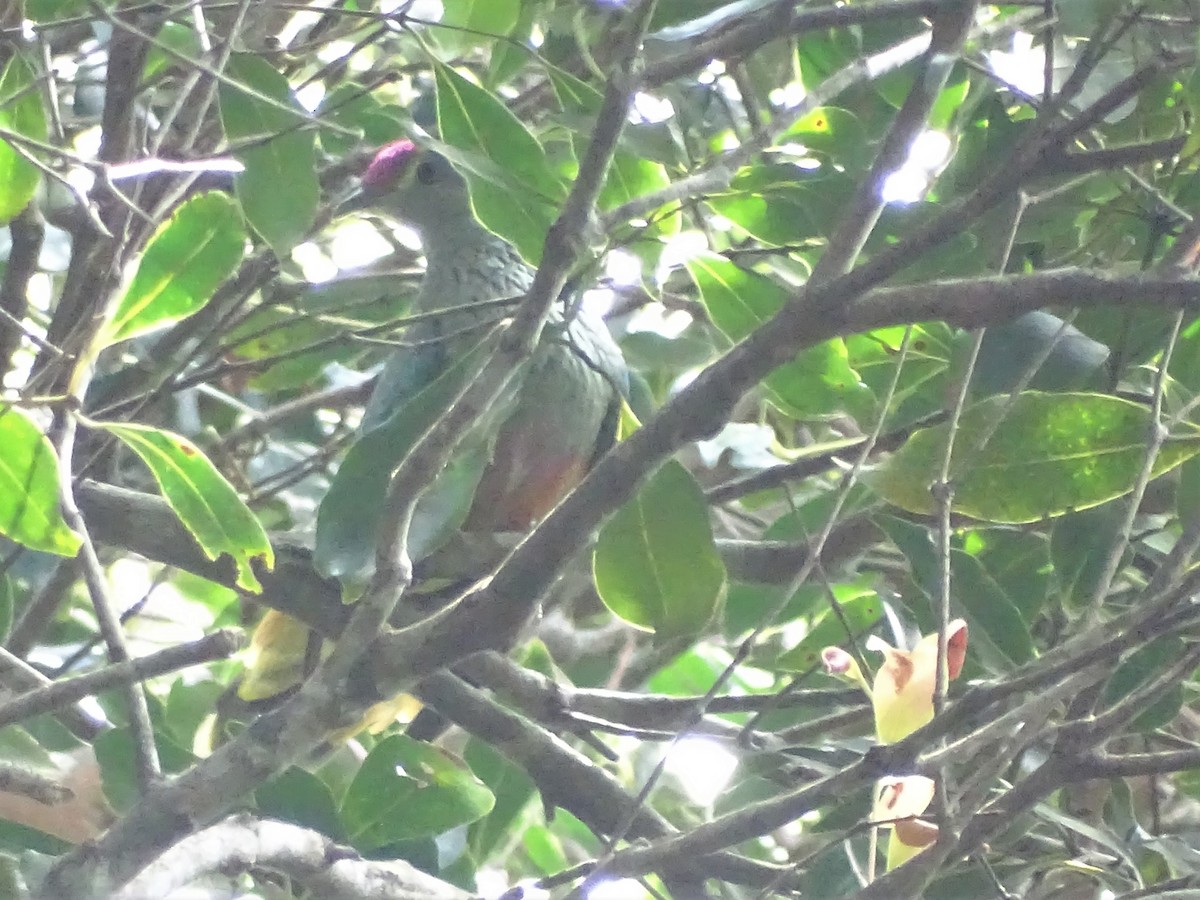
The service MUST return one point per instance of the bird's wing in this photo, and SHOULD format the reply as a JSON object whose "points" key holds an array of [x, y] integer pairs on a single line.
{"points": [[564, 419], [407, 371]]}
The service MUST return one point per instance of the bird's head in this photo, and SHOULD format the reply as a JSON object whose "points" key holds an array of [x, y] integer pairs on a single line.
{"points": [[416, 186]]}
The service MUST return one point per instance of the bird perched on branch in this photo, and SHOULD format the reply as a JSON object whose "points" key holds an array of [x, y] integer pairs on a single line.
{"points": [[566, 412], [530, 451]]}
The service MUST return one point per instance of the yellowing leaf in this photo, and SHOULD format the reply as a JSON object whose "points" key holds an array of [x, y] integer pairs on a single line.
{"points": [[205, 502]]}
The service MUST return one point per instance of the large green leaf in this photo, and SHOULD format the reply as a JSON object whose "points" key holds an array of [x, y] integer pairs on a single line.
{"points": [[21, 112], [831, 133], [1018, 562], [518, 193], [185, 261], [348, 519], [205, 502], [818, 380], [407, 789], [783, 204], [920, 389], [656, 563], [1053, 453], [29, 488], [279, 190]]}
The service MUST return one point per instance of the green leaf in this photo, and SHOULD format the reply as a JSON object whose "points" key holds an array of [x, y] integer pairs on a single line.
{"points": [[999, 636], [185, 261], [831, 133], [408, 789], [920, 389], [1019, 562], [172, 36], [1052, 453], [54, 10], [205, 502], [512, 789], [348, 519], [279, 190], [114, 753], [949, 101], [297, 795], [480, 21], [187, 705], [818, 380], [629, 175], [1070, 359], [656, 563], [544, 849], [514, 192], [1080, 545], [783, 204], [1142, 665], [860, 613], [29, 488], [347, 106], [20, 112], [988, 609]]}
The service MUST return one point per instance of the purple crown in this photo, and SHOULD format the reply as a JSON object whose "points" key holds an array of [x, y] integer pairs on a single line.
{"points": [[389, 162]]}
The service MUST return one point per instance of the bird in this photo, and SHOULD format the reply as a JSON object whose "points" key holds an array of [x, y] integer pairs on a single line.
{"points": [[567, 409], [565, 413]]}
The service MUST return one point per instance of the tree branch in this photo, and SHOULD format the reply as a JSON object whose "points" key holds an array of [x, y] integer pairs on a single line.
{"points": [[324, 868], [736, 38], [566, 778], [217, 645]]}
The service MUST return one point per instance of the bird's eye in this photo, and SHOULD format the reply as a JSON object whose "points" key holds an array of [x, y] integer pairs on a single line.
{"points": [[426, 173]]}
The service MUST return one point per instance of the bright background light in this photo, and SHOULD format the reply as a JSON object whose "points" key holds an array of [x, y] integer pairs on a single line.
{"points": [[908, 184], [617, 889], [703, 768]]}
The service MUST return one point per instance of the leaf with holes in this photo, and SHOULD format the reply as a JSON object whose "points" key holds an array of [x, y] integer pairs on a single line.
{"points": [[408, 789], [656, 563], [205, 502], [186, 260]]}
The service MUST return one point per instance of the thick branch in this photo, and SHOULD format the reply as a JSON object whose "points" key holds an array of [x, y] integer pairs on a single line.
{"points": [[326, 869]]}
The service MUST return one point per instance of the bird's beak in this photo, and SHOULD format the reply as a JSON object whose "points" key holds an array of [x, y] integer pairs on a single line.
{"points": [[355, 201]]}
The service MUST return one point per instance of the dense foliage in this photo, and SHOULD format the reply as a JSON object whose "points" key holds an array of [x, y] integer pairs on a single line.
{"points": [[907, 292]]}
